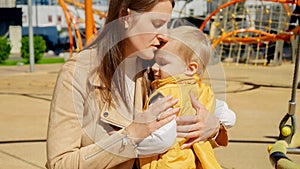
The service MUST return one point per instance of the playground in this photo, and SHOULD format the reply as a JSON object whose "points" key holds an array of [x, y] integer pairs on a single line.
{"points": [[258, 95], [257, 42]]}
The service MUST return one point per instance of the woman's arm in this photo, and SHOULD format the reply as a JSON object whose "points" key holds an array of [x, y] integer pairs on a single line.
{"points": [[66, 133]]}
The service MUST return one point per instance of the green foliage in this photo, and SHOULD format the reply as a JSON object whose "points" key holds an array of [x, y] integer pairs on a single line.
{"points": [[39, 48], [42, 61], [4, 49]]}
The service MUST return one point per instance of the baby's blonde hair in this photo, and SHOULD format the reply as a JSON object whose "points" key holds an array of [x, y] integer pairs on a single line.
{"points": [[192, 46]]}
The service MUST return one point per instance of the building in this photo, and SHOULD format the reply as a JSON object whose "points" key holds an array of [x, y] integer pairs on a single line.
{"points": [[49, 13], [7, 3], [36, 2], [9, 15], [189, 12]]}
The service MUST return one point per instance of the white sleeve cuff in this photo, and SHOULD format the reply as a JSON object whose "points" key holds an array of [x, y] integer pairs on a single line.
{"points": [[225, 115], [159, 141]]}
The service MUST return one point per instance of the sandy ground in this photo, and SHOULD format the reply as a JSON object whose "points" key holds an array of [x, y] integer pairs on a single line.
{"points": [[259, 95]]}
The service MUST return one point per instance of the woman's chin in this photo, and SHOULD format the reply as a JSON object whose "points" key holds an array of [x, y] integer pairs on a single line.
{"points": [[146, 54]]}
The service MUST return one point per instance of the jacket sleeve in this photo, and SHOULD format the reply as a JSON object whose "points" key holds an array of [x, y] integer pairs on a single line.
{"points": [[221, 138], [65, 131]]}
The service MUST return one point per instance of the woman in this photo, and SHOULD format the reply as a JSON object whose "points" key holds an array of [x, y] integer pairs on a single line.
{"points": [[92, 121]]}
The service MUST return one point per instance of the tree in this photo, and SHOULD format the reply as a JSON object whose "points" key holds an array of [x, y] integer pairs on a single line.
{"points": [[5, 49], [39, 48]]}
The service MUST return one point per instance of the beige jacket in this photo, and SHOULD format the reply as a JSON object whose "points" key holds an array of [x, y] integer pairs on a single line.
{"points": [[80, 121]]}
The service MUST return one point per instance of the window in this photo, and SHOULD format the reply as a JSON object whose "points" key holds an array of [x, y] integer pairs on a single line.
{"points": [[50, 19], [192, 12], [24, 19], [21, 2], [58, 18], [40, 2]]}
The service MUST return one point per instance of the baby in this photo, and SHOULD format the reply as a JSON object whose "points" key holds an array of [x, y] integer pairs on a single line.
{"points": [[178, 71]]}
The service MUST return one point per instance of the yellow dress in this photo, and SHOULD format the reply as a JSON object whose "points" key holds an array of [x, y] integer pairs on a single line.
{"points": [[200, 155]]}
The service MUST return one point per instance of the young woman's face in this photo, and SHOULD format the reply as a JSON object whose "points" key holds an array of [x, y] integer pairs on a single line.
{"points": [[168, 63], [146, 31]]}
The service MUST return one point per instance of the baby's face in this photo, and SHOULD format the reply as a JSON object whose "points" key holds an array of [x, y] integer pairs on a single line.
{"points": [[167, 63]]}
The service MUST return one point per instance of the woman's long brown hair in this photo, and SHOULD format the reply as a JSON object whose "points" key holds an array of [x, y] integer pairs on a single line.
{"points": [[111, 45]]}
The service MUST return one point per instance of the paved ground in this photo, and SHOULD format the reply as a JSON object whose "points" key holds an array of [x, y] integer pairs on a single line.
{"points": [[259, 95]]}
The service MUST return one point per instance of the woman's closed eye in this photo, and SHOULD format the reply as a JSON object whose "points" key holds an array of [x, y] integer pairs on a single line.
{"points": [[161, 62], [157, 23]]}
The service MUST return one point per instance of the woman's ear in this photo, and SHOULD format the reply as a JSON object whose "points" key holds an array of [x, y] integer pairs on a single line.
{"points": [[191, 69], [124, 18]]}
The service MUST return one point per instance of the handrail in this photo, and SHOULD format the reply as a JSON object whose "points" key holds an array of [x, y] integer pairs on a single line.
{"points": [[278, 156]]}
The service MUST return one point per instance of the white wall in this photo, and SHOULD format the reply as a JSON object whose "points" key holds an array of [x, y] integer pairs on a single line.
{"points": [[45, 13], [199, 8], [15, 36], [7, 3]]}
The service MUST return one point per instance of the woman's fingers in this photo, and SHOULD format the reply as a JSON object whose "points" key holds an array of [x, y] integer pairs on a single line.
{"points": [[189, 128], [191, 134], [199, 127], [156, 116], [186, 120], [157, 110], [195, 102], [162, 104], [189, 143], [198, 106], [167, 116]]}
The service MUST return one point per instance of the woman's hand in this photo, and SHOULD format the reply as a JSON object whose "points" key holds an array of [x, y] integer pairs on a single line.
{"points": [[157, 115], [197, 128]]}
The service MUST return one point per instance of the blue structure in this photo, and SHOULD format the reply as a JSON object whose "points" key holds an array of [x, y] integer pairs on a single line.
{"points": [[50, 34]]}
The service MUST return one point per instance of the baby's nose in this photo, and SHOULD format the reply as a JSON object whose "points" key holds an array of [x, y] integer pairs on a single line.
{"points": [[155, 68]]}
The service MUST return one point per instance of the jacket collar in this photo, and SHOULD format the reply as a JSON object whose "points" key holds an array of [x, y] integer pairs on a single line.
{"points": [[176, 79], [117, 114]]}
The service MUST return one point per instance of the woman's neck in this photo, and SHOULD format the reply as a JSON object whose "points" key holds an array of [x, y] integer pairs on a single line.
{"points": [[130, 67]]}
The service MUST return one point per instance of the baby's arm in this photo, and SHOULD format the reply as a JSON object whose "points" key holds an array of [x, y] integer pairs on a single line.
{"points": [[226, 116], [161, 139]]}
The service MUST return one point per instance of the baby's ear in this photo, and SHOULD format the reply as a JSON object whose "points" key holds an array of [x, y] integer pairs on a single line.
{"points": [[191, 69]]}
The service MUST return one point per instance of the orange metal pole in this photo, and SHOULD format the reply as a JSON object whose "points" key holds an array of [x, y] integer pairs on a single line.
{"points": [[89, 20], [82, 6], [266, 37], [77, 32], [65, 10]]}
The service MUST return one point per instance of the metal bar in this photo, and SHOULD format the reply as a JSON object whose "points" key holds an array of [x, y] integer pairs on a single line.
{"points": [[30, 33], [293, 150], [296, 72], [89, 26]]}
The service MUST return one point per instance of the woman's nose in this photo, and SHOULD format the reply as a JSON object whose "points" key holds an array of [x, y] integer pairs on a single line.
{"points": [[162, 36]]}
